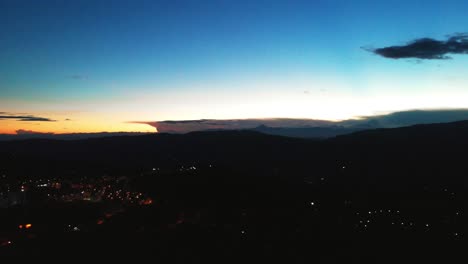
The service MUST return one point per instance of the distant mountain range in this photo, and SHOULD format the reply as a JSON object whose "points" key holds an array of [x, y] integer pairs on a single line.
{"points": [[432, 154], [312, 128], [307, 132], [393, 120], [299, 128]]}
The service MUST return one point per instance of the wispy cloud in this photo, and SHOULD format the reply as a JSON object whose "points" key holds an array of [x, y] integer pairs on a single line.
{"points": [[426, 48], [24, 118], [78, 77]]}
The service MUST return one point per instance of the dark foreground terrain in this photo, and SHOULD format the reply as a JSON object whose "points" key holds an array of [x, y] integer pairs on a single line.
{"points": [[377, 196]]}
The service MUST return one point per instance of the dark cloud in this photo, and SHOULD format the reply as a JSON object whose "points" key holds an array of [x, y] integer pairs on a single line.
{"points": [[24, 118], [187, 121], [35, 119], [412, 117], [184, 126], [426, 48], [31, 132]]}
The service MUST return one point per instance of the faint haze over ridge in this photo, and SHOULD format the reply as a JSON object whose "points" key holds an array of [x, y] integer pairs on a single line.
{"points": [[294, 127], [396, 119]]}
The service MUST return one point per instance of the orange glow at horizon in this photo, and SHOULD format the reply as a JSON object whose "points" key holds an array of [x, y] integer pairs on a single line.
{"points": [[79, 124], [240, 100]]}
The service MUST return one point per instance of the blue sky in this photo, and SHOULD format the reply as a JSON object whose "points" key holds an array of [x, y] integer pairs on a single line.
{"points": [[154, 60]]}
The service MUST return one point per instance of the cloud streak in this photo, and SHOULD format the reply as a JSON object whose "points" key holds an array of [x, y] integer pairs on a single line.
{"points": [[396, 119], [426, 48], [184, 126], [31, 132], [24, 118]]}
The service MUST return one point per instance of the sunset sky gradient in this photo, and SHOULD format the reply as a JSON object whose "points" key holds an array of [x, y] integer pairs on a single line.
{"points": [[98, 65]]}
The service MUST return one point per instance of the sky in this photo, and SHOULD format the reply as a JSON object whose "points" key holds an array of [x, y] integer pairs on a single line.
{"points": [[99, 65]]}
